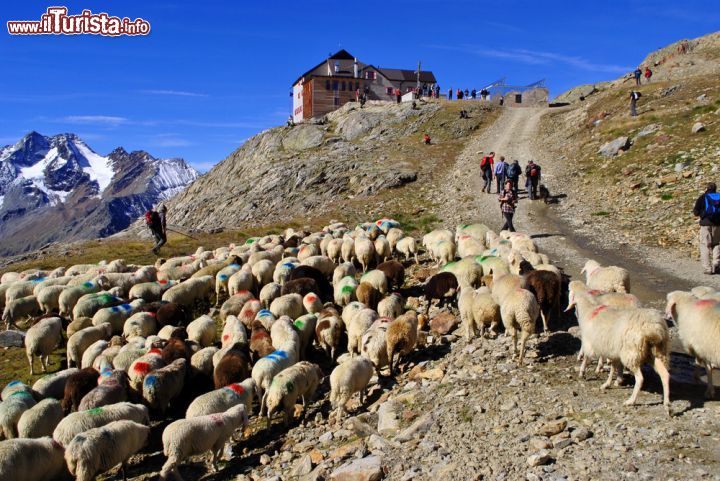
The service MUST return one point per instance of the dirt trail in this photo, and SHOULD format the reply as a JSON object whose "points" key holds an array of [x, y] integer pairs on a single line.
{"points": [[654, 272]]}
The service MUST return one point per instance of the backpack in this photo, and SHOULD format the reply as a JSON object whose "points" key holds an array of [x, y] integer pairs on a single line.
{"points": [[534, 171], [152, 219], [485, 163], [513, 170], [636, 95], [712, 206]]}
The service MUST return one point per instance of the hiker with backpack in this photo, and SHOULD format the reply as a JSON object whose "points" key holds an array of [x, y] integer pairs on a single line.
{"points": [[648, 74], [513, 175], [638, 75], [155, 220], [508, 202], [532, 180], [634, 97], [500, 173], [450, 94], [707, 207], [486, 167]]}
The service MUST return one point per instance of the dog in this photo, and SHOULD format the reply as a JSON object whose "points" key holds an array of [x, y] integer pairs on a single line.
{"points": [[544, 194]]}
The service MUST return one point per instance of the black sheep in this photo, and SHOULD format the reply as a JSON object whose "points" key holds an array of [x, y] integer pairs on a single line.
{"points": [[326, 291], [302, 286], [440, 286], [77, 386]]}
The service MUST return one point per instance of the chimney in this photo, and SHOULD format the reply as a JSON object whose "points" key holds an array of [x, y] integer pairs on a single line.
{"points": [[356, 74]]}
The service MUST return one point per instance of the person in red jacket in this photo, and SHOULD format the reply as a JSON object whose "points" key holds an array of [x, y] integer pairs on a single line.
{"points": [[426, 139], [648, 74], [486, 167]]}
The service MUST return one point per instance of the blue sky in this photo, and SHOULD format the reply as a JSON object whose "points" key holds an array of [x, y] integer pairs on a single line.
{"points": [[212, 74]]}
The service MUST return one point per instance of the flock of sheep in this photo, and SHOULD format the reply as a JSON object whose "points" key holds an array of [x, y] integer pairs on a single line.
{"points": [[135, 345]]}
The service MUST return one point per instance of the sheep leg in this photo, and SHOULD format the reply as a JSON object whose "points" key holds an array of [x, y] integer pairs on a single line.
{"points": [[599, 367], [710, 391], [636, 389], [214, 459], [523, 339], [416, 259], [262, 403], [44, 361], [583, 366], [122, 469], [611, 374], [664, 374], [544, 320], [30, 360]]}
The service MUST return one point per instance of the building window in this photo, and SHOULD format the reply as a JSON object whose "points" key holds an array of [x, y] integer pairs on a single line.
{"points": [[336, 101], [389, 90], [370, 75], [335, 85], [342, 86], [518, 98], [327, 85]]}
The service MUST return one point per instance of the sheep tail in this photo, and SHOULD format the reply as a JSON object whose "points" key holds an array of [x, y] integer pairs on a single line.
{"points": [[657, 340]]}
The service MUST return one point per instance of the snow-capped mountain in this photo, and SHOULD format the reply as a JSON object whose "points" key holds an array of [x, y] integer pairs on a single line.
{"points": [[57, 188]]}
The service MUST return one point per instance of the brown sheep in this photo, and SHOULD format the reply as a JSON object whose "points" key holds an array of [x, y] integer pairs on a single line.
{"points": [[546, 287], [401, 336], [233, 367], [172, 314], [176, 348], [302, 286], [440, 286], [324, 287], [395, 273], [368, 295], [77, 386], [260, 342]]}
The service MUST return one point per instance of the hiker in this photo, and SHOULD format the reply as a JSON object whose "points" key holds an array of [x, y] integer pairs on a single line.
{"points": [[398, 95], [466, 94], [500, 173], [464, 114], [707, 207], [363, 99], [648, 74], [508, 202], [637, 74], [155, 220], [459, 94], [437, 91], [473, 94], [290, 121], [484, 94], [634, 97], [426, 139], [513, 175], [486, 167], [450, 94], [532, 179]]}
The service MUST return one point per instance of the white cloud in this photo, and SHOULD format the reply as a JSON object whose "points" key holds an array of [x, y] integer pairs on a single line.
{"points": [[178, 93], [94, 119]]}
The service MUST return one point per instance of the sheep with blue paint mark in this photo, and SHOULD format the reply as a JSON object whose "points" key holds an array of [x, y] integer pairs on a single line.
{"points": [[11, 409], [164, 384], [266, 368], [89, 304], [222, 277], [117, 315], [282, 271]]}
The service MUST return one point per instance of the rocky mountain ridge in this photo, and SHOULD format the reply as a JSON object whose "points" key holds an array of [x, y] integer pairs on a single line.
{"points": [[57, 189]]}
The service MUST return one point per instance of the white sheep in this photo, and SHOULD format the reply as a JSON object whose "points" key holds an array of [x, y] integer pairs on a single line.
{"points": [[187, 437], [53, 385], [89, 304], [346, 269], [41, 419], [485, 312], [242, 280], [626, 337], [467, 272], [190, 291], [374, 344], [407, 246], [299, 380], [150, 291], [99, 449], [290, 305], [202, 330], [344, 291], [698, 322], [350, 377], [377, 279], [322, 263], [164, 384], [21, 308], [347, 250], [84, 338], [142, 324], [356, 327], [328, 329], [11, 409], [31, 459], [383, 251], [612, 278], [391, 306], [266, 368], [519, 311], [364, 252], [93, 351], [334, 250], [269, 293], [220, 400], [81, 421], [468, 246], [201, 363], [70, 295], [41, 339], [49, 298]]}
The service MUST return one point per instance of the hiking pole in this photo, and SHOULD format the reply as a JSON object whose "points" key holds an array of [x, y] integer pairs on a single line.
{"points": [[181, 233]]}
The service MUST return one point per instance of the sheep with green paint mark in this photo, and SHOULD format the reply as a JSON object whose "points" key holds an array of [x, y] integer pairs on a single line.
{"points": [[89, 304], [305, 326], [345, 291], [300, 380]]}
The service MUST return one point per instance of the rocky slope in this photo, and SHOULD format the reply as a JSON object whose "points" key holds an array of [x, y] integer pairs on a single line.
{"points": [[58, 189], [639, 176], [349, 161]]}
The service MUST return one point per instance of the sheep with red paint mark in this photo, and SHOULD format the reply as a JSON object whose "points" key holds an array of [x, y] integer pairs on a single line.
{"points": [[220, 400]]}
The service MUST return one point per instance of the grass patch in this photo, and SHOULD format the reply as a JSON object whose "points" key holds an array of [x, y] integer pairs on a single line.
{"points": [[413, 223], [600, 213], [666, 196]]}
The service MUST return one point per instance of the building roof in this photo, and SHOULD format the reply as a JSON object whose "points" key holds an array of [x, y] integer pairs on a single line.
{"points": [[402, 75], [342, 55]]}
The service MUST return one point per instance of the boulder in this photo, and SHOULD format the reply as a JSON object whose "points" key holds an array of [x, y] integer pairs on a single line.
{"points": [[443, 323], [12, 338], [613, 147], [365, 469], [539, 459], [647, 130], [698, 127], [388, 422], [552, 428], [303, 137]]}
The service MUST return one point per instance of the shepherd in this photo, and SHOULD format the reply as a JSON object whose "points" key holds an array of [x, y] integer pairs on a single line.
{"points": [[155, 220]]}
